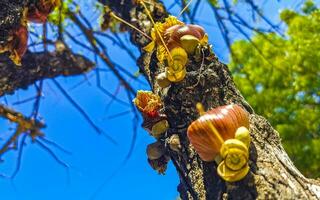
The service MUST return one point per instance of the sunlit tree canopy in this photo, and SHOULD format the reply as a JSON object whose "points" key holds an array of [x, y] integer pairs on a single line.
{"points": [[280, 77]]}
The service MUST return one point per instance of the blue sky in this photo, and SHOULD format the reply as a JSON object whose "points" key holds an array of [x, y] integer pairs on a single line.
{"points": [[93, 158]]}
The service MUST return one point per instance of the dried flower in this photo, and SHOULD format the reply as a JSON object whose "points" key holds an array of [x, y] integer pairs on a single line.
{"points": [[155, 150], [17, 46], [148, 103], [160, 165], [156, 126], [174, 142], [159, 128]]}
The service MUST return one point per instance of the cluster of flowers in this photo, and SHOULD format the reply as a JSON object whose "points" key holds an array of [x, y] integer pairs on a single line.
{"points": [[220, 134]]}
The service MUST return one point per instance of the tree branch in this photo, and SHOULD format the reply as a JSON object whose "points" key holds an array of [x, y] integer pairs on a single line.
{"points": [[38, 66]]}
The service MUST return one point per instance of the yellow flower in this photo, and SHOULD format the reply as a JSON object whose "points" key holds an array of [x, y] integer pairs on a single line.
{"points": [[235, 155]]}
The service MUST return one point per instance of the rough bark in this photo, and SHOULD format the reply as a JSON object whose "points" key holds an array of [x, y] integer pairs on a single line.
{"points": [[38, 66], [272, 174], [10, 16]]}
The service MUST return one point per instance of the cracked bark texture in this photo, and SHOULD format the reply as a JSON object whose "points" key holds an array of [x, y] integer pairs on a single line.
{"points": [[272, 174]]}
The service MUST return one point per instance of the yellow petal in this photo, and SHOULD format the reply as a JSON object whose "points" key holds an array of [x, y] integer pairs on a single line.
{"points": [[176, 76], [161, 53], [179, 59], [149, 48], [189, 43], [236, 159], [232, 144], [171, 21], [204, 40], [243, 135], [230, 175]]}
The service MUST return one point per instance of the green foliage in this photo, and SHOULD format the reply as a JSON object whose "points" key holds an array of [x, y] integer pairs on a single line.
{"points": [[55, 16], [282, 82], [309, 6]]}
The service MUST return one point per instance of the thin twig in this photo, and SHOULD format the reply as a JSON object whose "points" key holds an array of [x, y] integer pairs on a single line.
{"points": [[82, 112]]}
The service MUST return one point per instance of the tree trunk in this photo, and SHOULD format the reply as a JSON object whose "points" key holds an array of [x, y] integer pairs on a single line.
{"points": [[272, 174]]}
